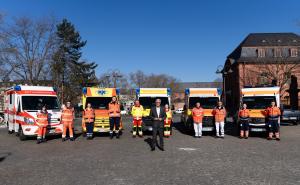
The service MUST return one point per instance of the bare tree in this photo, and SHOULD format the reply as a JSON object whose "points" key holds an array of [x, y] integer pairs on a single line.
{"points": [[138, 78], [28, 48]]}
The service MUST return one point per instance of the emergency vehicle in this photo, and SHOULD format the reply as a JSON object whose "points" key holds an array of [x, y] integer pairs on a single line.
{"points": [[99, 99], [21, 104], [208, 98], [147, 97], [257, 100]]}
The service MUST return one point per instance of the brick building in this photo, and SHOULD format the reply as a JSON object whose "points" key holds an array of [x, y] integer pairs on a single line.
{"points": [[264, 59]]}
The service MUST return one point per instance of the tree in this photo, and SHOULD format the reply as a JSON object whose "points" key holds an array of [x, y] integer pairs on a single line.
{"points": [[138, 78], [68, 71], [27, 48]]}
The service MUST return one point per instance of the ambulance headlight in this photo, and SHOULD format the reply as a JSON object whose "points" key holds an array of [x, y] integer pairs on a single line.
{"points": [[29, 121]]}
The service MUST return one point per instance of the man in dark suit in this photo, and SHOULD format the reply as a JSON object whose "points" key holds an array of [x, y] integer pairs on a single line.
{"points": [[158, 115]]}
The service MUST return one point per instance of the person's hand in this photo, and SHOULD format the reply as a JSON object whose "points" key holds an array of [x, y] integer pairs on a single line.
{"points": [[159, 119], [156, 119]]}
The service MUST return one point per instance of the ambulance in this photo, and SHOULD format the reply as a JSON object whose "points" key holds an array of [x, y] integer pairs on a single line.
{"points": [[257, 100], [147, 97], [99, 99], [208, 98], [21, 104]]}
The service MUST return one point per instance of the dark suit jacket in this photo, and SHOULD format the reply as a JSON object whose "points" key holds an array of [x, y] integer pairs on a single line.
{"points": [[162, 115]]}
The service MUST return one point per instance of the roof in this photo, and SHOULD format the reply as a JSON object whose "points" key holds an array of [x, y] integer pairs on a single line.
{"points": [[266, 39]]}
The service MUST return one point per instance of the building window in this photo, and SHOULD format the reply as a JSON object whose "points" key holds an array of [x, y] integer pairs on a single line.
{"points": [[261, 52], [293, 52], [277, 52]]}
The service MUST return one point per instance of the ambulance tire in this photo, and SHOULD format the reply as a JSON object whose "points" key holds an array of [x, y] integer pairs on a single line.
{"points": [[22, 137]]}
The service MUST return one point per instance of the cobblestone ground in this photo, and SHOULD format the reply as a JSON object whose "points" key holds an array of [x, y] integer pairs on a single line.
{"points": [[129, 161]]}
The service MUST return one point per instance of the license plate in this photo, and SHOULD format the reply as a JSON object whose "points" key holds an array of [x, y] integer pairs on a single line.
{"points": [[207, 129], [102, 130], [258, 129], [52, 131], [293, 118]]}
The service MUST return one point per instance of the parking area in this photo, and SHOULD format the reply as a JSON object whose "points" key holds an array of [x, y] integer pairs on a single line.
{"points": [[129, 160]]}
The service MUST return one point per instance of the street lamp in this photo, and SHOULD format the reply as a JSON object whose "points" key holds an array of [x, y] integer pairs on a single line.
{"points": [[115, 75]]}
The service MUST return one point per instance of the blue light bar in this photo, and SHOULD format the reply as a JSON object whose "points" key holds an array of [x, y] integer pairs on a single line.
{"points": [[17, 88], [169, 91], [84, 90], [219, 91], [117, 91], [187, 91], [137, 91]]}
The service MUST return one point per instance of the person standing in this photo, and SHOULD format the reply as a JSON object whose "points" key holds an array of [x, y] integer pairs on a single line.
{"points": [[89, 118], [67, 118], [114, 117], [273, 115], [244, 122], [167, 121], [137, 114], [158, 115], [42, 122], [198, 113], [220, 113]]}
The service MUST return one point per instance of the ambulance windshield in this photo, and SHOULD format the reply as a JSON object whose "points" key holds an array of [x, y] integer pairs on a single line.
{"points": [[98, 102], [148, 102], [36, 102], [206, 102], [258, 102]]}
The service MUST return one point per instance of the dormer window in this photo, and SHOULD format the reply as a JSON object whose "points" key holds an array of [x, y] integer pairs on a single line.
{"points": [[261, 52], [293, 52], [277, 52]]}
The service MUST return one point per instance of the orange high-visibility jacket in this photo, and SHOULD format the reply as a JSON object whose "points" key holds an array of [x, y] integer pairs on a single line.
{"points": [[244, 114], [198, 114], [89, 115], [114, 110], [219, 114], [67, 115], [42, 118], [273, 112]]}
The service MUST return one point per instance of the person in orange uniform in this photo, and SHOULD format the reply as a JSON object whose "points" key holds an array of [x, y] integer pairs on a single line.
{"points": [[137, 114], [42, 122], [168, 121], [67, 118], [273, 114], [89, 117], [244, 122], [219, 113], [197, 113], [114, 117]]}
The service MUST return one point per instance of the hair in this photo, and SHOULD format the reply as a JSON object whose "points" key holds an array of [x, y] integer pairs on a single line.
{"points": [[158, 99]]}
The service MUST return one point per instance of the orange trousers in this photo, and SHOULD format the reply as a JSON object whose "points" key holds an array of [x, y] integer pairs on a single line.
{"points": [[68, 126], [41, 132]]}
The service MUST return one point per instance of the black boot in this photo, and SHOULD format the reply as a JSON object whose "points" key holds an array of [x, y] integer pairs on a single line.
{"points": [[111, 135], [38, 141], [118, 135], [72, 139], [63, 139]]}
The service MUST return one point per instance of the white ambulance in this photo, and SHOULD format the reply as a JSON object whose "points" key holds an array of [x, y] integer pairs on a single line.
{"points": [[147, 97], [257, 100], [21, 104]]}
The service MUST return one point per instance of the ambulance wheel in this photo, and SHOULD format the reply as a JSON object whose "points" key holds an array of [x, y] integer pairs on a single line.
{"points": [[22, 137]]}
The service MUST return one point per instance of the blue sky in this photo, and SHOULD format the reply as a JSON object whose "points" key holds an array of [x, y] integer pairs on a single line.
{"points": [[184, 38]]}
